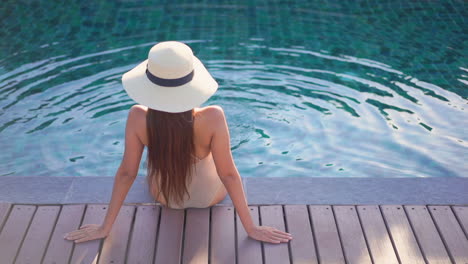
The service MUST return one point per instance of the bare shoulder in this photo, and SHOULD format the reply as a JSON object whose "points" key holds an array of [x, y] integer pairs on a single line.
{"points": [[211, 120], [138, 111], [212, 113], [137, 115]]}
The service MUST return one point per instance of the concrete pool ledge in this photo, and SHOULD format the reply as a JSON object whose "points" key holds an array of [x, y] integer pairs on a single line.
{"points": [[277, 190]]}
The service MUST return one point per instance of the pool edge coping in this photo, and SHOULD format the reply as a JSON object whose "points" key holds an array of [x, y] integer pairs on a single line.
{"points": [[259, 190]]}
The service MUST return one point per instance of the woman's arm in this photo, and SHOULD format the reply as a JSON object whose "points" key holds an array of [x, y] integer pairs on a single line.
{"points": [[123, 180], [227, 171]]}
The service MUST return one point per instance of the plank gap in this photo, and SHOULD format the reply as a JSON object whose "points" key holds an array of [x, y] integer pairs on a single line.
{"points": [[440, 234], [250, 249], [209, 235], [101, 241], [379, 243], [452, 232], [51, 233], [157, 233], [261, 242], [183, 238], [459, 221], [389, 234], [7, 215], [236, 250], [313, 233], [130, 233], [25, 234], [414, 233], [332, 208], [74, 244], [363, 233], [287, 230]]}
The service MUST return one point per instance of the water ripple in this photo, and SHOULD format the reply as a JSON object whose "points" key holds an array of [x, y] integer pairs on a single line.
{"points": [[340, 90]]}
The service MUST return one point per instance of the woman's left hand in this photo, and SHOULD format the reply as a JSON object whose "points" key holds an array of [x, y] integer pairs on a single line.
{"points": [[86, 233]]}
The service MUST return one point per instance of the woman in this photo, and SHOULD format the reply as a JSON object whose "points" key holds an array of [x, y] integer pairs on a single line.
{"points": [[190, 162]]}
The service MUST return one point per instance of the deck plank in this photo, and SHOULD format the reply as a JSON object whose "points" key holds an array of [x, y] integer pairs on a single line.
{"points": [[272, 215], [196, 236], [425, 230], [59, 248], [14, 230], [115, 244], [462, 215], [35, 242], [378, 240], [405, 242], [352, 236], [326, 234], [169, 241], [223, 247], [251, 249], [394, 233], [143, 237], [302, 244], [4, 209], [451, 232], [88, 251]]}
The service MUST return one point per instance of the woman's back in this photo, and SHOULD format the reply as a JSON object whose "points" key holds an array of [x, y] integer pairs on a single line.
{"points": [[206, 187]]}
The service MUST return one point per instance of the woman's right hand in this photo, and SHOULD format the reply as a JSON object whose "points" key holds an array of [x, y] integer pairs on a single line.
{"points": [[269, 234]]}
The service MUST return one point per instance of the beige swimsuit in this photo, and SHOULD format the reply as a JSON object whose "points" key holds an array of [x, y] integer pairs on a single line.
{"points": [[204, 186]]}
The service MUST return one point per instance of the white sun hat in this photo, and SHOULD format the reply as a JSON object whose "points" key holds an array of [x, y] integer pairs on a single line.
{"points": [[172, 79]]}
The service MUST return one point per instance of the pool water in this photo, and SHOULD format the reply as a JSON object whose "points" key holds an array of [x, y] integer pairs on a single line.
{"points": [[310, 88]]}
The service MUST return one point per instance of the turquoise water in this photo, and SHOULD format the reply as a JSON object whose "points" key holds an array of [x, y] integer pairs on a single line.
{"points": [[310, 88]]}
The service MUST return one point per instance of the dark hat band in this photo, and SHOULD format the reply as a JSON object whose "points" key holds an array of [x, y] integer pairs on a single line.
{"points": [[169, 82]]}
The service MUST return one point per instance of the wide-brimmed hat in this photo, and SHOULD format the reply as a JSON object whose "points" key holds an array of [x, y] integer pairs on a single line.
{"points": [[172, 79]]}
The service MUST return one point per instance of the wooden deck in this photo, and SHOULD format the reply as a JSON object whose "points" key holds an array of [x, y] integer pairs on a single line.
{"points": [[149, 233]]}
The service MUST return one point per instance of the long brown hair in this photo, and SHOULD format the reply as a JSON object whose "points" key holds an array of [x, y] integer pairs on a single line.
{"points": [[170, 152]]}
